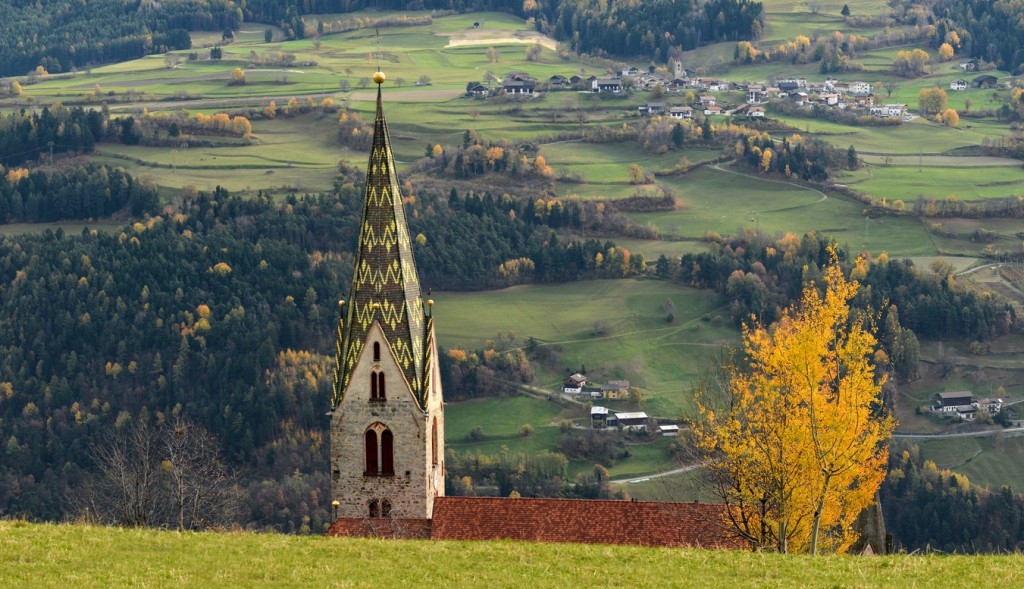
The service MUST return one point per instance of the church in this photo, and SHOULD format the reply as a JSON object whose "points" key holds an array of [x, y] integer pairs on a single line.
{"points": [[387, 422]]}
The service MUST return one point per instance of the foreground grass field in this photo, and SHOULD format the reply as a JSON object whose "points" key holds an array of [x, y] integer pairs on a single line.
{"points": [[83, 556]]}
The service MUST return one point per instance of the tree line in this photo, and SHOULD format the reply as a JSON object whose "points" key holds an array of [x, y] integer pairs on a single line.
{"points": [[985, 29], [760, 278], [93, 191], [930, 508], [67, 36]]}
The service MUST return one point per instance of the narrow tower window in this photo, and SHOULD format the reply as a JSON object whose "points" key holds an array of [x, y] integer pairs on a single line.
{"points": [[381, 392], [376, 351], [374, 391], [433, 442], [370, 439], [374, 508], [387, 453], [385, 508]]}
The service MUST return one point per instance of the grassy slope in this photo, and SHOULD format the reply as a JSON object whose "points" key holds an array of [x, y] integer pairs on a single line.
{"points": [[83, 556], [663, 359]]}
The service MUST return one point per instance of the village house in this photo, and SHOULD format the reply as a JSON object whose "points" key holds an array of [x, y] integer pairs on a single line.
{"points": [[713, 110], [598, 417], [756, 94], [574, 384], [652, 108], [479, 91], [860, 88], [888, 110], [962, 404], [681, 112], [516, 86], [558, 80], [633, 421], [798, 98], [607, 85], [669, 431], [828, 99], [958, 84], [755, 111], [985, 82], [615, 389], [707, 100]]}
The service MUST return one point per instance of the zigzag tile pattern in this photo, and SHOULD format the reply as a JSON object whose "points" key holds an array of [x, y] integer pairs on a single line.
{"points": [[385, 285]]}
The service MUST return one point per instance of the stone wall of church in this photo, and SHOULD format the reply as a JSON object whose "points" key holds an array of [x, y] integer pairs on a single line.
{"points": [[410, 491]]}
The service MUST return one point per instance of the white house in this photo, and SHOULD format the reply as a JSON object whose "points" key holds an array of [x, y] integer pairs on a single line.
{"points": [[755, 94], [755, 111], [635, 421], [860, 88], [958, 85], [607, 85], [680, 112]]}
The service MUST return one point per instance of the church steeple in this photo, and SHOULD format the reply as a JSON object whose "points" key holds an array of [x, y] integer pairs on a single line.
{"points": [[385, 285], [387, 423]]}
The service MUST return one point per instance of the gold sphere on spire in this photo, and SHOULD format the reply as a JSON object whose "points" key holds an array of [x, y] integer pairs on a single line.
{"points": [[378, 77]]}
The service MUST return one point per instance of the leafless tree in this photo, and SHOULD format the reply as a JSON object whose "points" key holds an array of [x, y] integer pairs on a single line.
{"points": [[202, 492], [150, 475], [126, 488], [890, 87]]}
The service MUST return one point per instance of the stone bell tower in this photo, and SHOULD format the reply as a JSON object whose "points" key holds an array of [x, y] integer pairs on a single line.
{"points": [[387, 423]]}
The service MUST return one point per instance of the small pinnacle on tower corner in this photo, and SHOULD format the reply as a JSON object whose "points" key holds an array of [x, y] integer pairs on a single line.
{"points": [[379, 77]]}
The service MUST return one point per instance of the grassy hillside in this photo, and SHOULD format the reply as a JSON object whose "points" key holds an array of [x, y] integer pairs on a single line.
{"points": [[84, 556]]}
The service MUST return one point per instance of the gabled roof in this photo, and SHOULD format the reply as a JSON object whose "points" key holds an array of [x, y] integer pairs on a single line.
{"points": [[582, 521], [385, 284]]}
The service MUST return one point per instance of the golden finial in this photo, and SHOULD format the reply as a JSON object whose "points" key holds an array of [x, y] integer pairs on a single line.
{"points": [[376, 306], [430, 302], [341, 303], [378, 77]]}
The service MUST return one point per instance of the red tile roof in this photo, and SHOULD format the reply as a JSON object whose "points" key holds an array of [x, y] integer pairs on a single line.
{"points": [[380, 527], [581, 521]]}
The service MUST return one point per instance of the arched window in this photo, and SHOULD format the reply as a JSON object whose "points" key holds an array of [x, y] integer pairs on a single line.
{"points": [[375, 508], [376, 351], [370, 442], [374, 393], [381, 393], [387, 453], [385, 508], [433, 442], [379, 444]]}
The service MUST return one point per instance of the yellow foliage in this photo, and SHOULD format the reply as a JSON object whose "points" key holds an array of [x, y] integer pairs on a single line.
{"points": [[15, 175], [457, 355], [797, 450], [946, 52]]}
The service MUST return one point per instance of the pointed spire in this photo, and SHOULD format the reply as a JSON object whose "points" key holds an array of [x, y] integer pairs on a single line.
{"points": [[385, 284]]}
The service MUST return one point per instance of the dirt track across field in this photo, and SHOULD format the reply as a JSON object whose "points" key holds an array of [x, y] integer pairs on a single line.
{"points": [[484, 37]]}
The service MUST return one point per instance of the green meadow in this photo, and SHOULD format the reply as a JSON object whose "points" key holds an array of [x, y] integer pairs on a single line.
{"points": [[48, 555], [501, 420], [663, 359]]}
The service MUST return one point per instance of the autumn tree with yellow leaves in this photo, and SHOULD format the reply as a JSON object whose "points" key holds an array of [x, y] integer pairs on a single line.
{"points": [[798, 445]]}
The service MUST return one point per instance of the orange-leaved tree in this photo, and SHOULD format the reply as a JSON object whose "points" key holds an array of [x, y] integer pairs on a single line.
{"points": [[797, 447]]}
